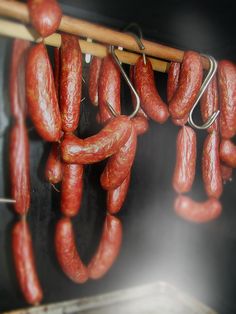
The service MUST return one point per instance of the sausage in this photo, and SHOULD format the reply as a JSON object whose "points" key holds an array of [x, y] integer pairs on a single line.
{"points": [[70, 82], [53, 170], [141, 124], [227, 93], [190, 80], [186, 152], [97, 147], [71, 189], [211, 172], [209, 104], [108, 248], [41, 94], [45, 16], [94, 72], [24, 261], [116, 197], [19, 167], [66, 252], [56, 71], [108, 89], [226, 173], [119, 165], [198, 212], [228, 153], [151, 101]]}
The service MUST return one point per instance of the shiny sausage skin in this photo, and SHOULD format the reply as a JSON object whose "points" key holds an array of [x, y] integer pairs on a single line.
{"points": [[17, 77], [173, 79], [190, 80], [209, 103], [19, 167], [227, 92], [119, 165], [23, 257], [151, 101], [71, 189], [45, 16], [66, 252], [108, 89], [198, 212], [53, 170], [56, 70], [41, 94], [226, 173], [108, 248], [228, 153], [141, 124], [116, 197], [97, 147], [211, 172], [186, 152], [70, 82], [94, 72]]}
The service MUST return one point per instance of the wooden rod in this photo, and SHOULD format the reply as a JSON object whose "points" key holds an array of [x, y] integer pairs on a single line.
{"points": [[19, 11]]}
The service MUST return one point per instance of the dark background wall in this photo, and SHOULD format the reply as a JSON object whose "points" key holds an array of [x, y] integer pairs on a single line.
{"points": [[157, 245]]}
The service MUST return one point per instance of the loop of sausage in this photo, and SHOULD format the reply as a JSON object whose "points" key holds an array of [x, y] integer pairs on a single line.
{"points": [[141, 124], [53, 169], [226, 172], [94, 72], [228, 153]]}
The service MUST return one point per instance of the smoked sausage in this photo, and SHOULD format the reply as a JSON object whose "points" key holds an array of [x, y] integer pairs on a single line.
{"points": [[94, 72], [228, 153], [53, 170], [56, 69], [226, 173], [141, 124]]}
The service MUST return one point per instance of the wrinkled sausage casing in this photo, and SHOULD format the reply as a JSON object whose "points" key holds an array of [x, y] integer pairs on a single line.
{"points": [[185, 166], [94, 72], [227, 92], [66, 252], [119, 165], [190, 80], [25, 264], [141, 124], [108, 248], [151, 101], [97, 147], [228, 153], [53, 170], [70, 82], [19, 167], [198, 212], [41, 94], [56, 70], [211, 171], [226, 172], [45, 16], [71, 189]]}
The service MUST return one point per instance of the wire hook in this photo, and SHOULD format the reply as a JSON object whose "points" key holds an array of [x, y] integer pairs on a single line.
{"points": [[210, 74]]}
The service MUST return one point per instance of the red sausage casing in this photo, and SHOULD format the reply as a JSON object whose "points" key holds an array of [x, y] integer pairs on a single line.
{"points": [[53, 170], [56, 70], [141, 124], [226, 173], [228, 153], [94, 72]]}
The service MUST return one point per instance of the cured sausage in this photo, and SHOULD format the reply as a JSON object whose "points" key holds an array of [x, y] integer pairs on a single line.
{"points": [[116, 197], [94, 72], [228, 153], [19, 167], [151, 101], [186, 152], [66, 252], [56, 70], [45, 16], [190, 80], [97, 147], [23, 257], [119, 165], [227, 92], [53, 170], [226, 173], [70, 82], [211, 171], [108, 248], [71, 189], [141, 124], [41, 94], [198, 212]]}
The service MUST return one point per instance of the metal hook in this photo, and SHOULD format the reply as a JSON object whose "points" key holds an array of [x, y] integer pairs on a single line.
{"points": [[7, 200], [112, 51], [210, 74]]}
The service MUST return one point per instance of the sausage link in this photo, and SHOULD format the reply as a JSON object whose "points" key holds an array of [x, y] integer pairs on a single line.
{"points": [[198, 212], [53, 170], [116, 197], [173, 79], [119, 165], [211, 171], [228, 153], [97, 147], [226, 173], [45, 16], [190, 80], [41, 94], [186, 152], [227, 93], [141, 124], [151, 101], [71, 82], [94, 72], [66, 252], [56, 71], [108, 248], [23, 257]]}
